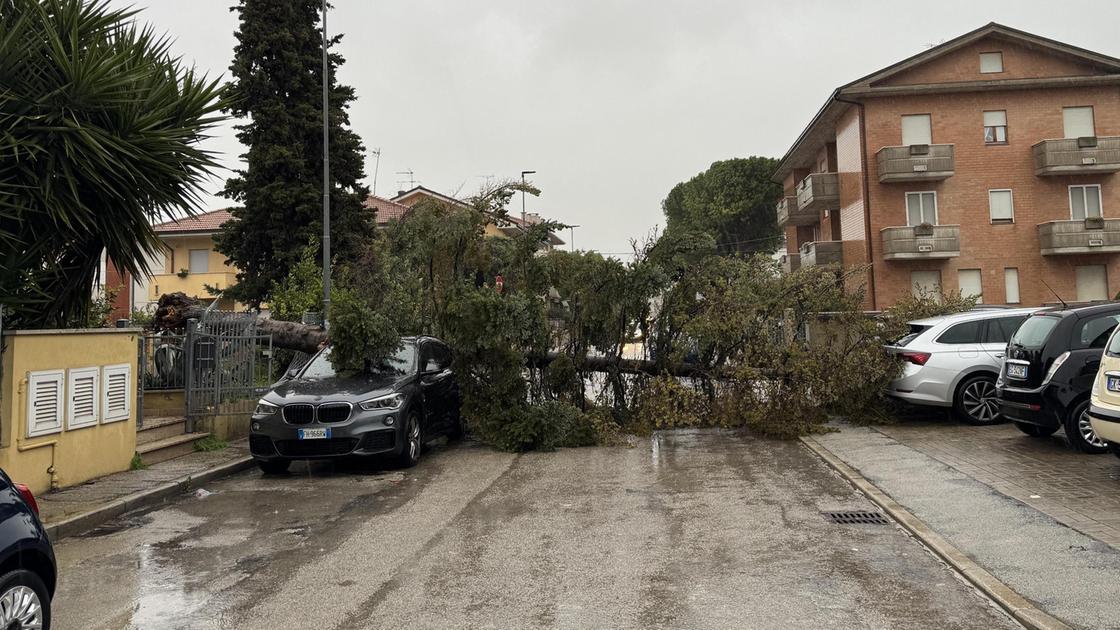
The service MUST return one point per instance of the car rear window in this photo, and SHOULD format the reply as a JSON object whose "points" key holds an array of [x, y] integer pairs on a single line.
{"points": [[915, 330], [1001, 329], [966, 332], [1034, 332]]}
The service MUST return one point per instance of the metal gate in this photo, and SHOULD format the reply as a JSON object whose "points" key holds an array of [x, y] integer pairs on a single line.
{"points": [[228, 365]]}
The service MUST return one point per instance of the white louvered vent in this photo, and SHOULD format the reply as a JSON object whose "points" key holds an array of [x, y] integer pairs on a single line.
{"points": [[116, 399], [44, 402], [83, 397]]}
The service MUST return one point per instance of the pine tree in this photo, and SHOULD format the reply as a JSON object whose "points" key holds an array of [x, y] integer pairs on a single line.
{"points": [[277, 72]]}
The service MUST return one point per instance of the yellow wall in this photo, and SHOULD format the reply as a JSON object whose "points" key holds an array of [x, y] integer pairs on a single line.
{"points": [[76, 455], [167, 280]]}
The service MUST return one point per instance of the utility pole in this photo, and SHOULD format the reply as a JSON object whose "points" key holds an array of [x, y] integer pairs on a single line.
{"points": [[572, 243], [523, 174], [376, 163], [326, 179]]}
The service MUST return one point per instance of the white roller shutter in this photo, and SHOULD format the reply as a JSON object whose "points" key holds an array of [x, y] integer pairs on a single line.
{"points": [[916, 130], [117, 399], [971, 284], [44, 402], [83, 397], [1092, 283], [1078, 122]]}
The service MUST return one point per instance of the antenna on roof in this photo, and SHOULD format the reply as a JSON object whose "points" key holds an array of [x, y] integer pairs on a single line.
{"points": [[1064, 305], [376, 163], [411, 179]]}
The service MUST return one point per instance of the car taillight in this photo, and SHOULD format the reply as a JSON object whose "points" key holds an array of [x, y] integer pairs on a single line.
{"points": [[917, 358], [28, 498]]}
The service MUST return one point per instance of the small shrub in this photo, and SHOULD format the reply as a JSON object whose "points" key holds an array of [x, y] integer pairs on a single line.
{"points": [[137, 463], [210, 443]]}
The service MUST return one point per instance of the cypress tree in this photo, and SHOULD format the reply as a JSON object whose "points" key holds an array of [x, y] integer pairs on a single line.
{"points": [[277, 87]]}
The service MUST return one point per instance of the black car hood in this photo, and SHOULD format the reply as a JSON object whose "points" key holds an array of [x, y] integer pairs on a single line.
{"points": [[351, 389]]}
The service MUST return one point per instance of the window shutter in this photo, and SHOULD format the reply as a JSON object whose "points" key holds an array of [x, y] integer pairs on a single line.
{"points": [[991, 62], [1092, 283], [116, 399], [83, 397], [44, 402], [1000, 206], [995, 118], [971, 284], [1078, 122], [925, 284], [916, 130], [1011, 285]]}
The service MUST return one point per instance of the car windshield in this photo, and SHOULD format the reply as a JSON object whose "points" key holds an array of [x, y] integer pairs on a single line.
{"points": [[402, 362], [1034, 332]]}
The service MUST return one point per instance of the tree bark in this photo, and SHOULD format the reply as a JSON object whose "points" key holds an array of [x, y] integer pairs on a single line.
{"points": [[176, 308]]}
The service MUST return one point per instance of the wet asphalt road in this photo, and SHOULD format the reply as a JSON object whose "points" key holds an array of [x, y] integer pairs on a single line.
{"points": [[687, 530]]}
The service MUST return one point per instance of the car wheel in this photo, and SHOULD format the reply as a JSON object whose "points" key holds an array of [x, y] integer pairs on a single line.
{"points": [[273, 466], [1080, 432], [1034, 430], [24, 602], [413, 441], [976, 401]]}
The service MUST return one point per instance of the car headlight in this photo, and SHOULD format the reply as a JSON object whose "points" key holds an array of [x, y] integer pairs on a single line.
{"points": [[391, 401], [265, 408]]}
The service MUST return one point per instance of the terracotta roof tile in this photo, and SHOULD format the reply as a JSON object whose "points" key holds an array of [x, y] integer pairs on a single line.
{"points": [[206, 222], [385, 209]]}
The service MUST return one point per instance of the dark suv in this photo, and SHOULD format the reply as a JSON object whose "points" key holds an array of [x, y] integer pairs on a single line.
{"points": [[321, 411], [27, 565], [1049, 370]]}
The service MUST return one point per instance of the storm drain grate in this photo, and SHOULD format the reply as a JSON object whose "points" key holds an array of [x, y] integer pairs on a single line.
{"points": [[857, 518]]}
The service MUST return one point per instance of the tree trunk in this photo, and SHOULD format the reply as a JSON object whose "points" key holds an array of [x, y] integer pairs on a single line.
{"points": [[176, 308]]}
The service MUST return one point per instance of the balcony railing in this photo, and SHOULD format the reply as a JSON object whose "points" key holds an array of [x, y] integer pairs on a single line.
{"points": [[788, 213], [791, 262], [1077, 155], [822, 253], [915, 163], [1089, 236], [819, 191], [921, 242], [193, 284]]}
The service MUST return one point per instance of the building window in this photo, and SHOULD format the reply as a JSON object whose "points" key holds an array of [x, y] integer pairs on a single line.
{"points": [[1011, 285], [991, 62], [916, 129], [199, 260], [921, 207], [1084, 202], [925, 284], [995, 127], [970, 283], [1001, 206], [1078, 122], [1092, 283]]}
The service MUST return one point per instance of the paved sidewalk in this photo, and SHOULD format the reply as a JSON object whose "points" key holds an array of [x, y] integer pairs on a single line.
{"points": [[1065, 573], [88, 505], [1078, 490]]}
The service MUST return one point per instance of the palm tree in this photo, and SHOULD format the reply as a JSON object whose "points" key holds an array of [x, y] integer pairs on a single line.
{"points": [[99, 138]]}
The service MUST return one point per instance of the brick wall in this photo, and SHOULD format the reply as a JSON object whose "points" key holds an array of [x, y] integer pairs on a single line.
{"points": [[122, 283], [963, 198], [1019, 62]]}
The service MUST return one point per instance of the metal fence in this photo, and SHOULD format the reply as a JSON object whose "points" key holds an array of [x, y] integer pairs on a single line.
{"points": [[161, 362], [228, 365]]}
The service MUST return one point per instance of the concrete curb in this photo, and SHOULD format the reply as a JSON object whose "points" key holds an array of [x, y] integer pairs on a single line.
{"points": [[1015, 604], [88, 520]]}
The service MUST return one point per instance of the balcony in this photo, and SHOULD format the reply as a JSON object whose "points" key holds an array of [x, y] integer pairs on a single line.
{"points": [[915, 163], [921, 242], [822, 253], [1090, 236], [788, 213], [1073, 156], [791, 262], [193, 284], [817, 192]]}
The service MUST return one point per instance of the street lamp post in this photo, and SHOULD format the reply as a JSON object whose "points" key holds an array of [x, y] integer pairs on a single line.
{"points": [[523, 174], [326, 179]]}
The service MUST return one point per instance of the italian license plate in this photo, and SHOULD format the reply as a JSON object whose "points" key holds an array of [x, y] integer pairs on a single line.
{"points": [[1114, 383], [315, 434], [1015, 370]]}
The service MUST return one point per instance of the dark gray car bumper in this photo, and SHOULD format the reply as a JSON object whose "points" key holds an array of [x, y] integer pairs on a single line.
{"points": [[366, 433]]}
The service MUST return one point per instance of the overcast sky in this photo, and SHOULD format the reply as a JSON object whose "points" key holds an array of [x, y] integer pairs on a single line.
{"points": [[612, 102]]}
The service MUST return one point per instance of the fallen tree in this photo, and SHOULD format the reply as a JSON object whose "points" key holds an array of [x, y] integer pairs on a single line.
{"points": [[175, 309]]}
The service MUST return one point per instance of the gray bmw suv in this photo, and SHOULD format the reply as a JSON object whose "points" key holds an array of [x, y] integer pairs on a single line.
{"points": [[392, 408]]}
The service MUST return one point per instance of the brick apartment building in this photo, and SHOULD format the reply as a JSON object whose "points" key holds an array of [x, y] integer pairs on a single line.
{"points": [[985, 164]]}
